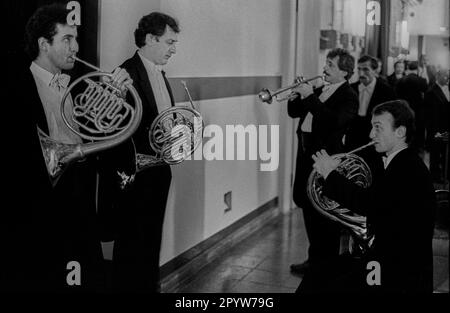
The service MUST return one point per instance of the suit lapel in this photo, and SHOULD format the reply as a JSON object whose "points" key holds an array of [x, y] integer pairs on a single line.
{"points": [[37, 108], [335, 95], [144, 84], [439, 93]]}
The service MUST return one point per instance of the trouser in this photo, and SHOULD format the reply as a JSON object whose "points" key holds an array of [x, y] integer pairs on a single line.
{"points": [[139, 232], [336, 275], [323, 234]]}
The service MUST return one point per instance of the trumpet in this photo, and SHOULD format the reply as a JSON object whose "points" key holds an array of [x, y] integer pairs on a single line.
{"points": [[355, 169], [267, 96], [100, 115]]}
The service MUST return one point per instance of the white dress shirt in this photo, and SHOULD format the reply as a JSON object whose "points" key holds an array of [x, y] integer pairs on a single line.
{"points": [[51, 88], [365, 94], [158, 84], [327, 92]]}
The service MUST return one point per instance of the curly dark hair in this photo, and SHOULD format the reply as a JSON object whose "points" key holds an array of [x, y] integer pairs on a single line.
{"points": [[346, 61], [373, 61], [154, 23], [402, 113], [43, 24]]}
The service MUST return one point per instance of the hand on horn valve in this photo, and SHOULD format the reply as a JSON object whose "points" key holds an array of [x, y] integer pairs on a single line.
{"points": [[324, 164], [121, 80]]}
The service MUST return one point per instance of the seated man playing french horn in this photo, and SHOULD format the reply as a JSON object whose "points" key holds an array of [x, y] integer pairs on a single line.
{"points": [[400, 208]]}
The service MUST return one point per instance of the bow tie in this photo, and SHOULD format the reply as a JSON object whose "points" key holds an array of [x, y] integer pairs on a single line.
{"points": [[60, 81]]}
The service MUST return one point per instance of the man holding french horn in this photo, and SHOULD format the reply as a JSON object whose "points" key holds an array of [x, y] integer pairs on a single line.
{"points": [[325, 114], [54, 242], [136, 177], [399, 205]]}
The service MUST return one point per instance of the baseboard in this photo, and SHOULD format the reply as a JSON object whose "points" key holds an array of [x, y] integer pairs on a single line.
{"points": [[183, 268]]}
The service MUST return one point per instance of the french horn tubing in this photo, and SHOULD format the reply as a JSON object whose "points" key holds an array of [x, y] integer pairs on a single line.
{"points": [[174, 135], [355, 169], [100, 115]]}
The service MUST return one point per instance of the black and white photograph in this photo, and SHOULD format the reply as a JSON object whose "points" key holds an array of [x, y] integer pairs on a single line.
{"points": [[235, 154]]}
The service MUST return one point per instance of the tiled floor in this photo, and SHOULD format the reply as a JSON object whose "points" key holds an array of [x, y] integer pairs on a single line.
{"points": [[260, 264]]}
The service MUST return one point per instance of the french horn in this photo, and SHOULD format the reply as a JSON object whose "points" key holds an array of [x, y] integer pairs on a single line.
{"points": [[102, 117], [356, 170], [174, 135]]}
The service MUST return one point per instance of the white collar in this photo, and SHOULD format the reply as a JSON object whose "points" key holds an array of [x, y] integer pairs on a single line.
{"points": [[334, 86], [41, 73], [152, 66], [370, 87]]}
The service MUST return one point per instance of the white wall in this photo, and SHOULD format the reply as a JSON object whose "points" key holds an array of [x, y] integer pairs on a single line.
{"points": [[437, 51], [118, 20], [428, 17], [217, 39]]}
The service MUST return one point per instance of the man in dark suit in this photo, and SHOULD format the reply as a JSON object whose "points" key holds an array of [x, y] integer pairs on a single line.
{"points": [[438, 110], [52, 223], [371, 91], [399, 72], [139, 207], [400, 208], [412, 89], [325, 115]]}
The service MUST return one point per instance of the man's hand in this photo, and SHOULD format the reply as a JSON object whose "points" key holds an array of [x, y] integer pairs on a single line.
{"points": [[121, 80], [304, 90], [324, 164]]}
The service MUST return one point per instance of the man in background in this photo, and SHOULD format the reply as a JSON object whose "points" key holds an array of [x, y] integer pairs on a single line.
{"points": [[412, 89]]}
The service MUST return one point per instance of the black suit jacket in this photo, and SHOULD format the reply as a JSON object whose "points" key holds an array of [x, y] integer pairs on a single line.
{"points": [[331, 120], [400, 209], [438, 111], [123, 157], [412, 89], [359, 130], [392, 80], [48, 226]]}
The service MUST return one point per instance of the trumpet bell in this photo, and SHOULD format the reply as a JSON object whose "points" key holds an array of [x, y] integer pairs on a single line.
{"points": [[265, 96]]}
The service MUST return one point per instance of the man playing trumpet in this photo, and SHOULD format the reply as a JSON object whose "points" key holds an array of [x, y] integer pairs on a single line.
{"points": [[325, 114], [400, 208]]}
